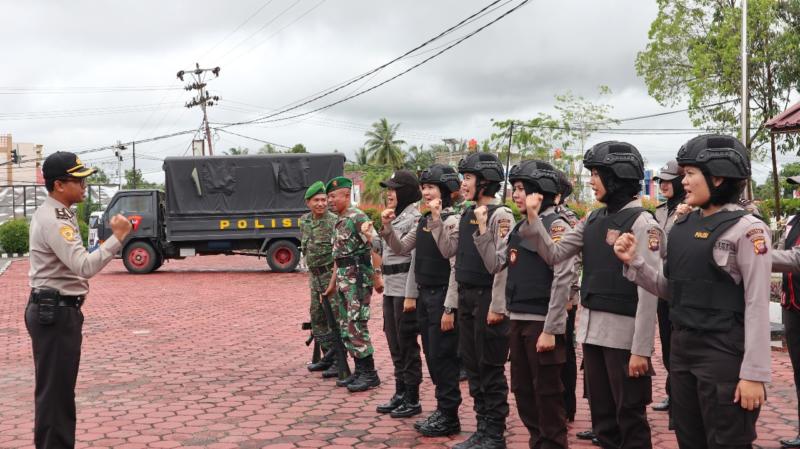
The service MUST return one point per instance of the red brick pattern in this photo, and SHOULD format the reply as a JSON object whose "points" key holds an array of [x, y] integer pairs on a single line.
{"points": [[208, 352]]}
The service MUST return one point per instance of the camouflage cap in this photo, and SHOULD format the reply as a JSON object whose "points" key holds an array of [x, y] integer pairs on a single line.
{"points": [[339, 182], [315, 189]]}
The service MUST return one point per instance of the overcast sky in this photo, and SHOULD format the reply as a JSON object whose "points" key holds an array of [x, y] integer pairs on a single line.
{"points": [[74, 56]]}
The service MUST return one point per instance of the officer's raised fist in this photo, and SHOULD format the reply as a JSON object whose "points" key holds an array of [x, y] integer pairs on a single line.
{"points": [[625, 248], [120, 226], [435, 207], [387, 216], [481, 213], [533, 203]]}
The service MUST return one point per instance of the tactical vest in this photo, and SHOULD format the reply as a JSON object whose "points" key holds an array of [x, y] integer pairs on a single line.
{"points": [[790, 299], [431, 269], [704, 296], [470, 269], [603, 287], [529, 277]]}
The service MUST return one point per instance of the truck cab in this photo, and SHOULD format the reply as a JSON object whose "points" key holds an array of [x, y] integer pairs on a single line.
{"points": [[143, 250]]}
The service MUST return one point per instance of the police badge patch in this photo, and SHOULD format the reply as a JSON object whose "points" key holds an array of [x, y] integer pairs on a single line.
{"points": [[759, 245], [512, 257], [611, 236]]}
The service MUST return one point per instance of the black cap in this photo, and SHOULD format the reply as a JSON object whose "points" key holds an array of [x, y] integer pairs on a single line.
{"points": [[400, 178], [63, 164]]}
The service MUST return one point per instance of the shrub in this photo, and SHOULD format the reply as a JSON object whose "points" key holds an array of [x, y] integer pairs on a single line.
{"points": [[84, 228], [14, 236]]}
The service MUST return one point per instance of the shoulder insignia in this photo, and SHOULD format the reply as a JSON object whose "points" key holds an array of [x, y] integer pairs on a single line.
{"points": [[759, 245], [512, 257], [654, 239], [67, 233], [611, 236], [62, 213], [754, 231], [503, 226]]}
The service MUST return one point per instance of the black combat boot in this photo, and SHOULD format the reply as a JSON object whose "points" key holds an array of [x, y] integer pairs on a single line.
{"points": [[475, 439], [332, 371], [324, 363], [410, 406], [368, 378], [396, 400], [494, 436], [447, 424], [436, 415], [352, 377]]}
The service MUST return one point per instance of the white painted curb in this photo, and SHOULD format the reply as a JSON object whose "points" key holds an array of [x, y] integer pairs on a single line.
{"points": [[12, 255]]}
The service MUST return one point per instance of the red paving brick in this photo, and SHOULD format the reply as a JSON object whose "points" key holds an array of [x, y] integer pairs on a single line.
{"points": [[207, 352]]}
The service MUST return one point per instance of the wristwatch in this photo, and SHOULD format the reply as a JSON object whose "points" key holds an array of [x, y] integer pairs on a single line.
{"points": [[450, 310], [378, 270]]}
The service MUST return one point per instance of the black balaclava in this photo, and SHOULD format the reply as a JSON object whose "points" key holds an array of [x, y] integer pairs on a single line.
{"points": [[619, 192], [406, 195], [548, 199], [678, 194]]}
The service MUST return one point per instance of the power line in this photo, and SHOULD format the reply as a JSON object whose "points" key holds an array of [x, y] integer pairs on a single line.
{"points": [[253, 138], [8, 90], [246, 21], [263, 27], [66, 113]]}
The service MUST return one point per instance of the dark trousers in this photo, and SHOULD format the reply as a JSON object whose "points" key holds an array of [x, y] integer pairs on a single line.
{"points": [[484, 351], [704, 375], [441, 348], [569, 373], [664, 332], [617, 402], [56, 357], [536, 383], [791, 324], [401, 333]]}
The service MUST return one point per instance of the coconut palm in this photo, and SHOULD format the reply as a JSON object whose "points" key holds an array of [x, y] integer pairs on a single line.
{"points": [[382, 147]]}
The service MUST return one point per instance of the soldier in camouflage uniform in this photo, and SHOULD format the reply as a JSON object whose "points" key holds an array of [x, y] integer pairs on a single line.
{"points": [[317, 231], [352, 282]]}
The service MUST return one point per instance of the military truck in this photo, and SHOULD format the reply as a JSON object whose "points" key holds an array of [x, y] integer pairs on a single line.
{"points": [[220, 205]]}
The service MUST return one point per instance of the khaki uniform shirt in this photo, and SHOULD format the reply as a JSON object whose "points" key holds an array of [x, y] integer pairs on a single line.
{"points": [[597, 327], [395, 284], [57, 256], [555, 322], [743, 251]]}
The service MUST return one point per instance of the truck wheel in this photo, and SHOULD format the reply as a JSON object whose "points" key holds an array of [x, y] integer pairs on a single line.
{"points": [[140, 258], [283, 256], [159, 262]]}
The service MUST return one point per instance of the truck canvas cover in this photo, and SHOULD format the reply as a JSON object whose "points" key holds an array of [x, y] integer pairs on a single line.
{"points": [[246, 185]]}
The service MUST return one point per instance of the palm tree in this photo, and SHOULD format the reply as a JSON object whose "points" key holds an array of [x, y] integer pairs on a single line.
{"points": [[382, 147], [362, 157]]}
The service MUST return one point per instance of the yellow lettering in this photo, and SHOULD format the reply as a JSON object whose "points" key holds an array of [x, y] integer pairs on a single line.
{"points": [[224, 224], [287, 222], [241, 224], [273, 222], [701, 235], [258, 224]]}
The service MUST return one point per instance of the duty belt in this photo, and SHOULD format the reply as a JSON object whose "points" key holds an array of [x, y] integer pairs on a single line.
{"points": [[63, 300], [316, 271], [353, 260], [396, 268]]}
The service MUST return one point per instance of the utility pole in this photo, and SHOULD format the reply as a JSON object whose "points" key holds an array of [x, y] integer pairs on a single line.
{"points": [[748, 192], [508, 161], [135, 175], [118, 154], [203, 99]]}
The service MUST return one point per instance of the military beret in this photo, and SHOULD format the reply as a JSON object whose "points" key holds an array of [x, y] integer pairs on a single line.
{"points": [[315, 189], [339, 182]]}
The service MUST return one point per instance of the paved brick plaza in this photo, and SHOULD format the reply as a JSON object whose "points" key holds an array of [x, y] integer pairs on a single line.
{"points": [[208, 352]]}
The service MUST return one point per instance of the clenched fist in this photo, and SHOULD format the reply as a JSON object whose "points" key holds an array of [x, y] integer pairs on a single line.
{"points": [[481, 213], [387, 216], [436, 208], [533, 203], [120, 226], [367, 230], [625, 248]]}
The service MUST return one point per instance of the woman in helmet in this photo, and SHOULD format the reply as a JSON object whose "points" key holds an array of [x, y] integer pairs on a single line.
{"points": [[617, 322], [717, 280], [433, 273], [536, 298]]}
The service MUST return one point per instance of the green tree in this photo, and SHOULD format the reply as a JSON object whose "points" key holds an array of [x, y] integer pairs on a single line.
{"points": [[418, 158], [135, 180], [373, 192], [362, 157], [100, 177], [382, 147], [693, 55], [268, 149], [238, 151], [299, 148]]}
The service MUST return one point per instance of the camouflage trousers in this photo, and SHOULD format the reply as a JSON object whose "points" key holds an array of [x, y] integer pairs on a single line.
{"points": [[351, 305], [319, 324]]}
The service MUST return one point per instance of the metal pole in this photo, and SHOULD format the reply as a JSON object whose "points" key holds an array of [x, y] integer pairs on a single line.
{"points": [[25, 201], [133, 147], [745, 96], [508, 161], [14, 201]]}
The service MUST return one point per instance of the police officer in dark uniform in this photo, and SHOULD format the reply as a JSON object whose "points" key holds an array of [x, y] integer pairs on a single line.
{"points": [[787, 261], [717, 279], [437, 295], [482, 321], [670, 182], [60, 267], [536, 297], [617, 322]]}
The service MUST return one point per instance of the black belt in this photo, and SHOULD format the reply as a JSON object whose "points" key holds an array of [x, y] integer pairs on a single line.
{"points": [[354, 260], [63, 300], [396, 268], [317, 271]]}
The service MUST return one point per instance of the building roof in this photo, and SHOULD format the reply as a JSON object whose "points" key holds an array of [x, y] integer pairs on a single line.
{"points": [[787, 121]]}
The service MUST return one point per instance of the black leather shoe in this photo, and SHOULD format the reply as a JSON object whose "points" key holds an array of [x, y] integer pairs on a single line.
{"points": [[662, 406], [333, 371], [444, 426], [789, 443], [595, 441], [437, 414], [407, 410], [324, 363], [585, 435], [368, 378], [396, 400]]}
